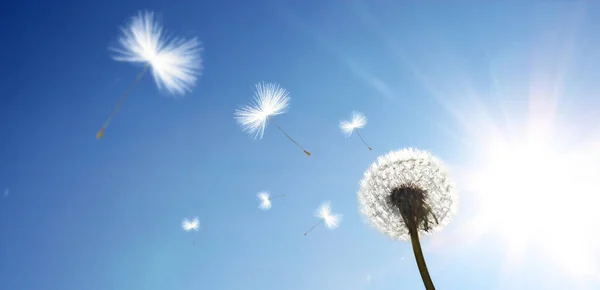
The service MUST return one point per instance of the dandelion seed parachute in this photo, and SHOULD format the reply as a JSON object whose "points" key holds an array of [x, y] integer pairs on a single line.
{"points": [[191, 225], [357, 121], [325, 215], [265, 200], [265, 203], [175, 62], [406, 193], [270, 100]]}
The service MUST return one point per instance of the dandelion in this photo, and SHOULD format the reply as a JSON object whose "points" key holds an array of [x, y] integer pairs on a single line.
{"points": [[265, 200], [270, 100], [357, 121], [191, 225], [331, 220], [405, 193], [175, 62]]}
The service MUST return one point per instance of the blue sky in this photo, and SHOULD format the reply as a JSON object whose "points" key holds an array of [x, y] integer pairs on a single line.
{"points": [[89, 214]]}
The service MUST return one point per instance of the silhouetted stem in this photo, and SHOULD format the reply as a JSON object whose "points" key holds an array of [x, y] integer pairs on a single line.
{"points": [[363, 140], [116, 109], [416, 245], [321, 221], [288, 136]]}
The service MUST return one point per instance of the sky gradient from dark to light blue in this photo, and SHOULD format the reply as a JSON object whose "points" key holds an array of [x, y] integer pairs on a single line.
{"points": [[86, 214]]}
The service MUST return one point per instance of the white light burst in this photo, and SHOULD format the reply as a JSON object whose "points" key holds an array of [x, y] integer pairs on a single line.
{"points": [[536, 195], [535, 172]]}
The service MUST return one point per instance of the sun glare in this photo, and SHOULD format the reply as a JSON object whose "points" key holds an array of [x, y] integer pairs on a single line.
{"points": [[542, 198]]}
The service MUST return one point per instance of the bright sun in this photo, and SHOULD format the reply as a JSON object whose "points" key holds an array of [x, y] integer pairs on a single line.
{"points": [[531, 129], [542, 198]]}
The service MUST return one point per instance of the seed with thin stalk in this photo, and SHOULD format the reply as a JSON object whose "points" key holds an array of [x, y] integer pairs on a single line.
{"points": [[406, 193], [265, 199], [331, 220], [270, 100], [357, 121], [191, 225], [175, 62]]}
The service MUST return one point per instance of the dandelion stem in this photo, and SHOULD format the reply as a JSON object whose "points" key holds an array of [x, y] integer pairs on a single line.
{"points": [[116, 109], [277, 196], [320, 222], [363, 140], [277, 125], [416, 245]]}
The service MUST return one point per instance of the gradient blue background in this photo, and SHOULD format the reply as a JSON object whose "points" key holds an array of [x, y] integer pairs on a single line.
{"points": [[89, 214]]}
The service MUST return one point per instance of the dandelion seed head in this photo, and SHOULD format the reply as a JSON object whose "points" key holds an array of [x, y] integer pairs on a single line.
{"points": [[331, 220], [175, 62], [357, 121], [265, 203], [190, 225], [270, 99], [407, 179]]}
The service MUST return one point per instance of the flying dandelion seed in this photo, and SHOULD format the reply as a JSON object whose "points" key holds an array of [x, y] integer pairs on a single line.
{"points": [[331, 220], [6, 192], [270, 100], [265, 200], [357, 121], [175, 62], [405, 193], [191, 225]]}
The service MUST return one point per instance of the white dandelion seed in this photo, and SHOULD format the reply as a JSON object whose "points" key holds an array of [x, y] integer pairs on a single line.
{"points": [[175, 62], [324, 213], [357, 121], [265, 200], [265, 203], [191, 225], [270, 100]]}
